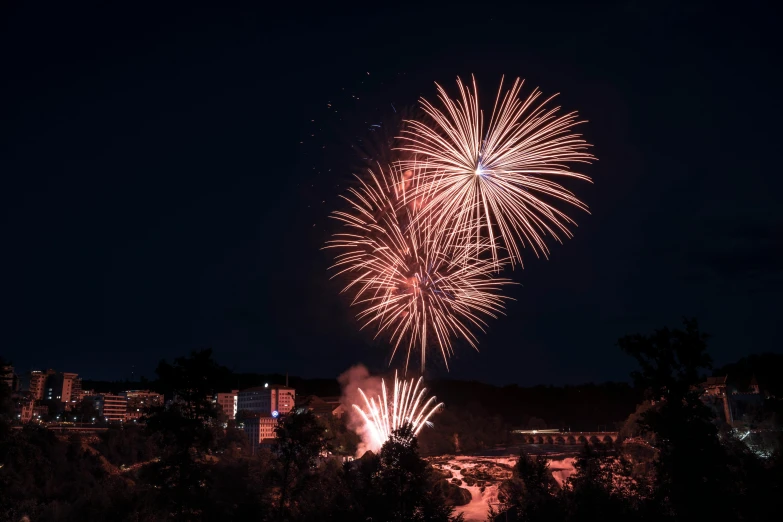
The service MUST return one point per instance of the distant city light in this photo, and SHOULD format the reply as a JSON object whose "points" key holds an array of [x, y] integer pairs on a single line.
{"points": [[275, 414], [266, 385]]}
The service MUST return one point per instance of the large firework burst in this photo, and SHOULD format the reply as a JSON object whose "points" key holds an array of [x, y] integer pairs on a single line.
{"points": [[495, 181], [407, 406], [404, 285]]}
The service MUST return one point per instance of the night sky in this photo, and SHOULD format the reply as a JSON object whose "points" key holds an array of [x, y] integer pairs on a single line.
{"points": [[166, 177]]}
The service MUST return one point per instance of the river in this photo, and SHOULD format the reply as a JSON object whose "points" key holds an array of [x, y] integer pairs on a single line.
{"points": [[481, 474]]}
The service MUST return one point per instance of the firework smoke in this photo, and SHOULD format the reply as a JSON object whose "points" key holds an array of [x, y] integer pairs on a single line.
{"points": [[352, 381]]}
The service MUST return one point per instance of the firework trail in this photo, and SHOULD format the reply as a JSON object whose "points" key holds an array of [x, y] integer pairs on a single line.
{"points": [[382, 416], [487, 181], [405, 287]]}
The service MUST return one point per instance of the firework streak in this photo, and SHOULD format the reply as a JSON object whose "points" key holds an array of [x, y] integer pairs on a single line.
{"points": [[383, 416]]}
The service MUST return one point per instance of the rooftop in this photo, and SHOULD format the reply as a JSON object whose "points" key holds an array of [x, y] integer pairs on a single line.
{"points": [[716, 381], [270, 387]]}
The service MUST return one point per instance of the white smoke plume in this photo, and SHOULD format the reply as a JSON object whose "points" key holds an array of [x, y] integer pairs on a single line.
{"points": [[351, 380]]}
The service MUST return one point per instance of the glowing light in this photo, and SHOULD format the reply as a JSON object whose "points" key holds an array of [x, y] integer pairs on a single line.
{"points": [[381, 417], [275, 414], [509, 195], [404, 285]]}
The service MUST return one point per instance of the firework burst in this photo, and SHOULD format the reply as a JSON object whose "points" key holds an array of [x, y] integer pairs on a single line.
{"points": [[495, 181], [382, 414], [405, 287]]}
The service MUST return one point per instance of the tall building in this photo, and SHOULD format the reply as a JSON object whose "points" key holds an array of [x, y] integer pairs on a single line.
{"points": [[59, 386], [266, 399], [76, 390], [35, 384], [111, 408], [227, 403]]}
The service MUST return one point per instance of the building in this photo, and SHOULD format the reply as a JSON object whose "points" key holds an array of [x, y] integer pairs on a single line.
{"points": [[266, 399], [35, 381], [143, 399], [76, 390], [715, 386], [8, 377], [260, 430], [227, 403], [139, 401], [41, 411], [735, 407], [112, 408], [714, 395], [324, 407], [24, 405], [59, 386], [338, 409]]}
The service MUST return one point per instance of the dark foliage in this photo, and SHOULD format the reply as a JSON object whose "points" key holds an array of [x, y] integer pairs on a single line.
{"points": [[185, 465]]}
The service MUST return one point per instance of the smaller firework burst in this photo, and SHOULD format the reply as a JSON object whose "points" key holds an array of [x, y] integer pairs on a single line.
{"points": [[420, 297], [382, 416]]}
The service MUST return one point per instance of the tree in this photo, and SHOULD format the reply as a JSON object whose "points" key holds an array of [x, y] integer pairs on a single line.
{"points": [[691, 469], [404, 483], [601, 487], [670, 361], [185, 431], [532, 493], [300, 441], [192, 380]]}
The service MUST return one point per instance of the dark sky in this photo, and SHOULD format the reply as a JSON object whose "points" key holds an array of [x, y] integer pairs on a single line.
{"points": [[166, 174]]}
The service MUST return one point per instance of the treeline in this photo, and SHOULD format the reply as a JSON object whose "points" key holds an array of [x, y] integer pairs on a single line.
{"points": [[583, 407], [580, 408], [686, 466], [683, 464]]}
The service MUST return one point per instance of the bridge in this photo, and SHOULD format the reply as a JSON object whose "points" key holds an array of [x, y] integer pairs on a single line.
{"points": [[572, 438]]}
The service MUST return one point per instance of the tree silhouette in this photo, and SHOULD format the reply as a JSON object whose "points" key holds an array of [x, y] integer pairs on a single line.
{"points": [[691, 469], [300, 440], [404, 483], [532, 493]]}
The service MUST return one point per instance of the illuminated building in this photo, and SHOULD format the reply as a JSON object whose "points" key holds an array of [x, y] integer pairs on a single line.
{"points": [[8, 377], [227, 403], [139, 401], [142, 399], [76, 390], [111, 408], [59, 386], [23, 406], [260, 430], [35, 384], [266, 399]]}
